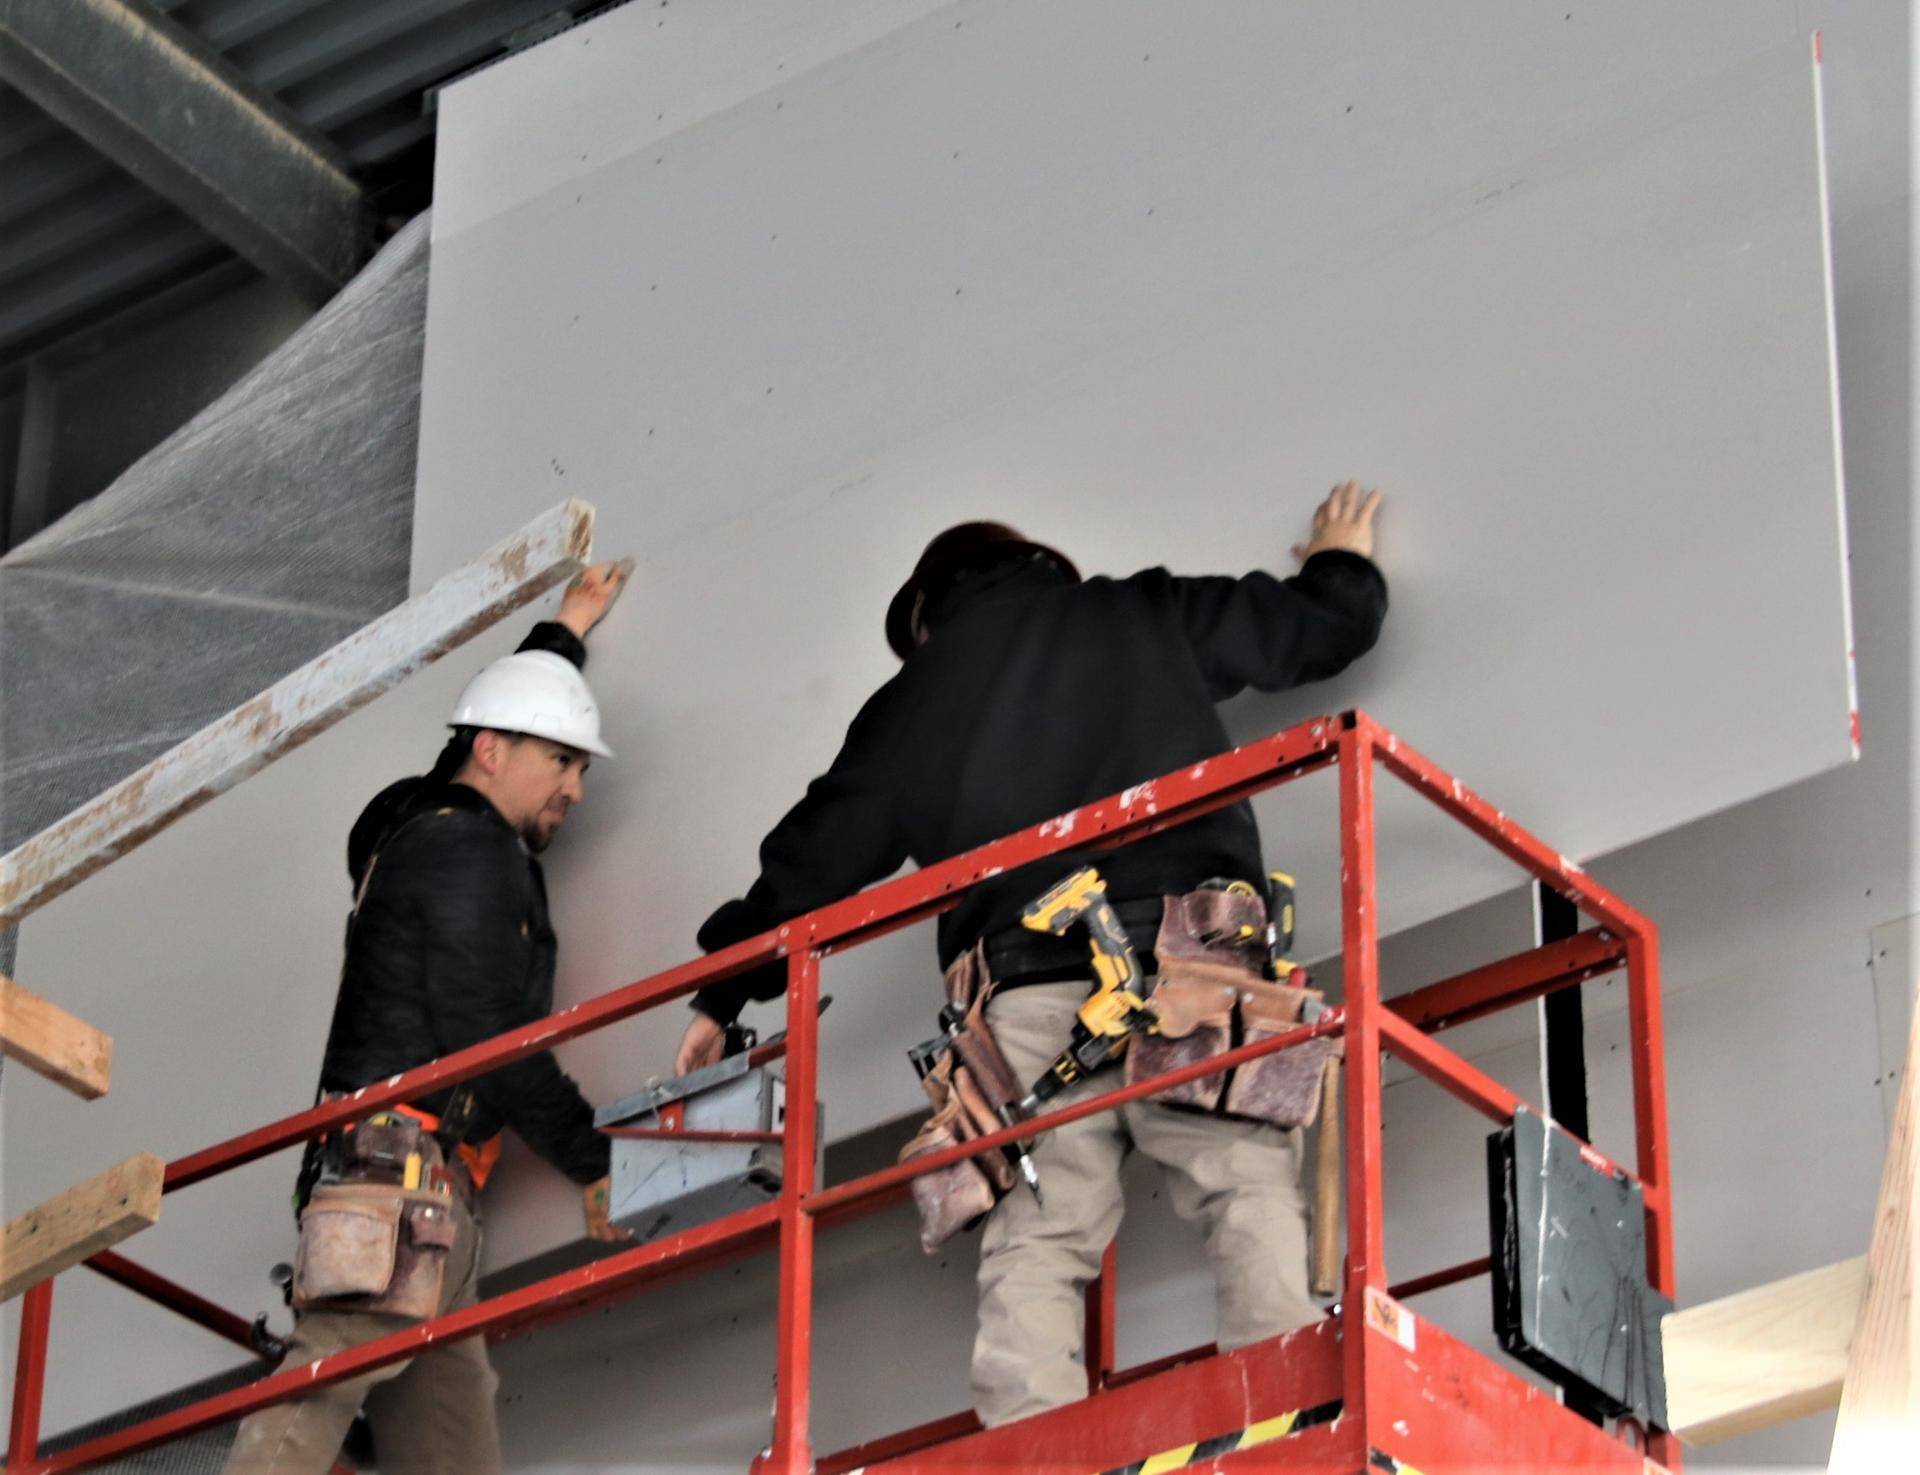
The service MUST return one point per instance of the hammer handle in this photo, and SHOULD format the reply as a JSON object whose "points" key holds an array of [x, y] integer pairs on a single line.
{"points": [[1327, 1240]]}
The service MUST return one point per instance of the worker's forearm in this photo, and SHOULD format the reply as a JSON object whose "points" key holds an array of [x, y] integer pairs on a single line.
{"points": [[556, 636], [542, 1103]]}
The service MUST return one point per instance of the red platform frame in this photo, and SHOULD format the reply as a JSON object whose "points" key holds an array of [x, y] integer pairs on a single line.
{"points": [[1380, 1388]]}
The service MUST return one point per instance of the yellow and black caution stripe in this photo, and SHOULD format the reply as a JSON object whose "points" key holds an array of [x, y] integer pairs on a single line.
{"points": [[1264, 1432]]}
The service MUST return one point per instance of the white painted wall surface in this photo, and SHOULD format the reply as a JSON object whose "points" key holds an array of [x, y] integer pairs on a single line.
{"points": [[1767, 909]]}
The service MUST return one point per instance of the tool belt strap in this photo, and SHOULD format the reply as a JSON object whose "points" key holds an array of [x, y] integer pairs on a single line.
{"points": [[477, 1157], [1017, 955]]}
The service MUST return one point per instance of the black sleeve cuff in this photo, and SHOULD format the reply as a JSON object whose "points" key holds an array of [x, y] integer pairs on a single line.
{"points": [[723, 1001], [1331, 559], [720, 1002], [732, 922], [594, 1162], [556, 637]]}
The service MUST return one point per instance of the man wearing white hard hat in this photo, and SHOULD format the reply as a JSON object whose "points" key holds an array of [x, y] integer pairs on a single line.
{"points": [[449, 943]]}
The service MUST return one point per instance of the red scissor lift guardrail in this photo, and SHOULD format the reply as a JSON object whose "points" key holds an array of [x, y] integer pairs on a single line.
{"points": [[1382, 1388]]}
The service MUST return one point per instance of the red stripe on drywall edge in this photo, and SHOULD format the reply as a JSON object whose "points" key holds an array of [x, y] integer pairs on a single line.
{"points": [[1853, 725], [1817, 49], [1600, 1162]]}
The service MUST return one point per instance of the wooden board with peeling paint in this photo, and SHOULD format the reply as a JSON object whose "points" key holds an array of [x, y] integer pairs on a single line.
{"points": [[333, 685]]}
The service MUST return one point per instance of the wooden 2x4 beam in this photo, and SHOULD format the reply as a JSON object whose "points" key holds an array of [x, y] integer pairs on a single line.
{"points": [[53, 1043], [86, 1219], [1749, 1361], [1848, 1335], [300, 706]]}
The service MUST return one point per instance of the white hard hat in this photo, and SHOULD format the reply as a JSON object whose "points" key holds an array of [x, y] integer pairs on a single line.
{"points": [[535, 692]]}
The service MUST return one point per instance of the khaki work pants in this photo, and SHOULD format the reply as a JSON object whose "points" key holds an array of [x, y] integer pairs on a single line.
{"points": [[1238, 1181], [433, 1415]]}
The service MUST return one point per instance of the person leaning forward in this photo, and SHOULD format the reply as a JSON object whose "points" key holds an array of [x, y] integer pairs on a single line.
{"points": [[449, 944], [1025, 692]]}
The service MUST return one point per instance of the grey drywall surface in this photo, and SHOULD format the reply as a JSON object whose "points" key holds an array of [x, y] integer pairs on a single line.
{"points": [[806, 229], [1596, 382], [1893, 960], [1766, 910]]}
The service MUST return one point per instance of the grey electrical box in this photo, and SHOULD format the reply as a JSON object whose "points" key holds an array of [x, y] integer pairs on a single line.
{"points": [[1570, 1291], [661, 1186]]}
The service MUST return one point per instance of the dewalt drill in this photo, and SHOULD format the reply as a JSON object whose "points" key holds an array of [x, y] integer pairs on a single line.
{"points": [[1280, 907], [1115, 1011]]}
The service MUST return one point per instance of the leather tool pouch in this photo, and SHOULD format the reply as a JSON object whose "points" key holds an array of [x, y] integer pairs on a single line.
{"points": [[1211, 998], [366, 1242], [377, 1151], [1195, 1002], [373, 1247], [960, 1195], [1282, 1088]]}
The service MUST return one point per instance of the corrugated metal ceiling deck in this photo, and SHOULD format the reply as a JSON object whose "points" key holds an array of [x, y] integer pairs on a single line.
{"points": [[80, 238]]}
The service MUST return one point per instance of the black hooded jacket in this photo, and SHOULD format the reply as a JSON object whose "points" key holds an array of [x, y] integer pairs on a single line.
{"points": [[451, 945], [1032, 696]]}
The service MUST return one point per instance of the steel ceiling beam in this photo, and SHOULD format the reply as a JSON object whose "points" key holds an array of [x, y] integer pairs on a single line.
{"points": [[174, 113]]}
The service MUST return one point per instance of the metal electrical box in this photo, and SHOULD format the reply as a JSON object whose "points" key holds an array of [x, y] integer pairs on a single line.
{"points": [[662, 1186]]}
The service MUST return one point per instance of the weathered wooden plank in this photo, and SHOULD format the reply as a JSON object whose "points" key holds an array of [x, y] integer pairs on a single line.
{"points": [[1761, 1357], [86, 1219], [45, 1038], [1879, 1426], [552, 547]]}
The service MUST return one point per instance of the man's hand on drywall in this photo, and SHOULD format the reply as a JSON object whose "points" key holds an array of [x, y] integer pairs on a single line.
{"points": [[592, 593], [593, 1204], [701, 1045], [1344, 520]]}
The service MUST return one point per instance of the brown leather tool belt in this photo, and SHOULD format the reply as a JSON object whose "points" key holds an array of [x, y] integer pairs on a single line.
{"points": [[368, 1241], [1208, 985], [1212, 995]]}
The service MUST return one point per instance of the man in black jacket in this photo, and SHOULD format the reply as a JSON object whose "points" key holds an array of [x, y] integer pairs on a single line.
{"points": [[1026, 692], [450, 944]]}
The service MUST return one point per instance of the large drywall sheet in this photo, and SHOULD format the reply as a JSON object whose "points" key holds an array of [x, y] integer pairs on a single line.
{"points": [[644, 225], [234, 926], [1598, 387], [1770, 1030]]}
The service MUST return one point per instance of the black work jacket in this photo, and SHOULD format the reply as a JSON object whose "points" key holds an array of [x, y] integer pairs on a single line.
{"points": [[1032, 696], [452, 944]]}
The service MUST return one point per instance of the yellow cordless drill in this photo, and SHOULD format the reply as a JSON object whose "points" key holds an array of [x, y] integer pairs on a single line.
{"points": [[1115, 1010], [1280, 907]]}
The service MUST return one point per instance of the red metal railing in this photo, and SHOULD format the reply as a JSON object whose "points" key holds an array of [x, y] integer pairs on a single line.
{"points": [[1403, 1026]]}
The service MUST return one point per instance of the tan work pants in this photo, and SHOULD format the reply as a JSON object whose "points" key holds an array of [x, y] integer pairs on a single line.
{"points": [[433, 1415], [1238, 1181]]}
